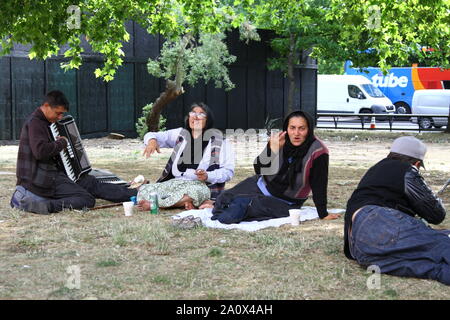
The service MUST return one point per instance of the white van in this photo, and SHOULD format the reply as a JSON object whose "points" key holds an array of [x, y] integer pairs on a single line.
{"points": [[350, 94], [431, 101]]}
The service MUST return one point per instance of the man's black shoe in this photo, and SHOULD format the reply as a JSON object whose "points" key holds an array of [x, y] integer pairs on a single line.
{"points": [[30, 205]]}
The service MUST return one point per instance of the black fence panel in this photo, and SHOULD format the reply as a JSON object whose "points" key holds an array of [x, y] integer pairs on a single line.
{"points": [[66, 81], [128, 47], [93, 107], [121, 96], [100, 107], [174, 113], [145, 45], [256, 81], [308, 90], [27, 87], [217, 102], [147, 88], [237, 99], [6, 116], [256, 99], [193, 94], [275, 95]]}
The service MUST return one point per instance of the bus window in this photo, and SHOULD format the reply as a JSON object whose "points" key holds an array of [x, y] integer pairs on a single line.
{"points": [[446, 84]]}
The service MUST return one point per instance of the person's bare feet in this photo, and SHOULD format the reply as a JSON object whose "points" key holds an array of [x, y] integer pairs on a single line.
{"points": [[189, 205], [332, 216], [207, 204], [143, 205]]}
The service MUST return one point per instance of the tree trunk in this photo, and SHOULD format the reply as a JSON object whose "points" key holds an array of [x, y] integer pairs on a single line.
{"points": [[290, 73], [173, 88], [166, 97]]}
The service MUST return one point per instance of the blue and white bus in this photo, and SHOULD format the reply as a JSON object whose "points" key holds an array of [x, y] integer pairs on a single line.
{"points": [[400, 83]]}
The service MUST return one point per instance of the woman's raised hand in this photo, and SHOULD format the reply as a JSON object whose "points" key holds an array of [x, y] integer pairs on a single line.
{"points": [[151, 147], [277, 141]]}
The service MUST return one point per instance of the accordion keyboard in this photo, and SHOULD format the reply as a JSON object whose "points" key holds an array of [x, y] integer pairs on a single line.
{"points": [[65, 154]]}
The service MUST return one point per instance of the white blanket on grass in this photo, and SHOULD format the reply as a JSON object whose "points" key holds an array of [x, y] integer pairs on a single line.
{"points": [[308, 213]]}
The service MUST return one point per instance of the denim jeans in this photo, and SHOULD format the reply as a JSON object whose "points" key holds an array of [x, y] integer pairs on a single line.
{"points": [[400, 245], [20, 193]]}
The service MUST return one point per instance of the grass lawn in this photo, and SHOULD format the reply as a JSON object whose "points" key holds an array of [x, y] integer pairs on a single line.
{"points": [[145, 257]]}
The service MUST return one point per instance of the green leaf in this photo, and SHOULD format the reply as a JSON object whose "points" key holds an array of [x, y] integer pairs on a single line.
{"points": [[32, 55], [98, 73]]}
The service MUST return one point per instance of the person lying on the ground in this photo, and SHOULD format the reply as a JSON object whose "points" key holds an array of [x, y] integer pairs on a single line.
{"points": [[293, 164], [381, 228], [200, 153]]}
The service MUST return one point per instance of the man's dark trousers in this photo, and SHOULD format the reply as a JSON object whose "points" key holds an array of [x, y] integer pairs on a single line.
{"points": [[82, 194]]}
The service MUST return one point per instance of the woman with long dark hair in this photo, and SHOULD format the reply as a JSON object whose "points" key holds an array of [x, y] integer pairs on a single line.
{"points": [[293, 164], [201, 162]]}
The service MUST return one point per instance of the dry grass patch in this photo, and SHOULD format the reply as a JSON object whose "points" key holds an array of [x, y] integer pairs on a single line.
{"points": [[145, 257]]}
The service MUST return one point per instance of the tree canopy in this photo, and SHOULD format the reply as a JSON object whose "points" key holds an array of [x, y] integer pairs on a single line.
{"points": [[300, 26], [380, 33], [387, 33], [188, 59], [49, 25]]}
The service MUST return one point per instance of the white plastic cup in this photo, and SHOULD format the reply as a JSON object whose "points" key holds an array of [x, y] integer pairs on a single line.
{"points": [[294, 214], [303, 215], [128, 208]]}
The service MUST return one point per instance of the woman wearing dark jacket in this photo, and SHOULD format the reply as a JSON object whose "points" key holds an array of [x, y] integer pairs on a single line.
{"points": [[293, 164]]}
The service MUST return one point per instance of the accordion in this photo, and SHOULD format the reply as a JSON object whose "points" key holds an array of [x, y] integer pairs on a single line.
{"points": [[74, 158]]}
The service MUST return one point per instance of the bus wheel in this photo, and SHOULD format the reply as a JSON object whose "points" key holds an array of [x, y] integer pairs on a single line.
{"points": [[402, 108]]}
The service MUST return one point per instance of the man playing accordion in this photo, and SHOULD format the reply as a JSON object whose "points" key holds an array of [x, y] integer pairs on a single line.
{"points": [[42, 183]]}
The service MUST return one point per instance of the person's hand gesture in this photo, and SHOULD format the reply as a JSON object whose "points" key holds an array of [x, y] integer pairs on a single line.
{"points": [[277, 141], [201, 174], [151, 147]]}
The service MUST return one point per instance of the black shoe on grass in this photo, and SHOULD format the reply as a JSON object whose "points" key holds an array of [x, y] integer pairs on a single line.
{"points": [[30, 205]]}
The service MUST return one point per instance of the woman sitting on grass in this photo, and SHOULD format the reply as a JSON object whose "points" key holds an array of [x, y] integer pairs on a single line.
{"points": [[293, 164], [201, 162]]}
